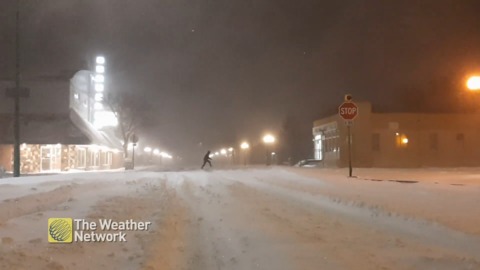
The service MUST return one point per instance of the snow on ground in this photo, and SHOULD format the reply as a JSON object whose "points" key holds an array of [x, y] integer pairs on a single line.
{"points": [[252, 218]]}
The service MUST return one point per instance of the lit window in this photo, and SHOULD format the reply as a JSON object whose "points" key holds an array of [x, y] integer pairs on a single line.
{"points": [[401, 140]]}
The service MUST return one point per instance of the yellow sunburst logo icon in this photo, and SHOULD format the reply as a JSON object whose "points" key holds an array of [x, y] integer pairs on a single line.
{"points": [[60, 230]]}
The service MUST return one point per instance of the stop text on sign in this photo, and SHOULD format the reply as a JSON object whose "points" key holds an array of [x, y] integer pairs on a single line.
{"points": [[348, 111]]}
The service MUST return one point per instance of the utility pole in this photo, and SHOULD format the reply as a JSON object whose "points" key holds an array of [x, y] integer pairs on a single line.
{"points": [[16, 114]]}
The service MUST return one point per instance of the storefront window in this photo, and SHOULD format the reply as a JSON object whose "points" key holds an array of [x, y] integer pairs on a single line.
{"points": [[51, 157]]}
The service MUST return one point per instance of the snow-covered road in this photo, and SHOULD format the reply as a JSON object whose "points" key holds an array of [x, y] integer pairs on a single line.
{"points": [[276, 218]]}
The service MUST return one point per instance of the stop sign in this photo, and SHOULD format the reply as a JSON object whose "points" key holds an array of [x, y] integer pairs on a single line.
{"points": [[348, 110]]}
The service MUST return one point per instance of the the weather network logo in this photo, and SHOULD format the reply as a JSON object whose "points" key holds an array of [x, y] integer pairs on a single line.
{"points": [[60, 230]]}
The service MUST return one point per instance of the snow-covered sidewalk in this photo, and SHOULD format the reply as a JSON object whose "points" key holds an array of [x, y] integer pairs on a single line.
{"points": [[448, 176]]}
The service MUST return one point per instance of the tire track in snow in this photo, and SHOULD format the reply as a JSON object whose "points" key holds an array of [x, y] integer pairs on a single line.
{"points": [[222, 236], [41, 201]]}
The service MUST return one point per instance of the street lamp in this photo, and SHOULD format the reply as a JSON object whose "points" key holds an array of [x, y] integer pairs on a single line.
{"points": [[149, 150], [473, 83], [244, 146], [268, 139], [231, 150]]}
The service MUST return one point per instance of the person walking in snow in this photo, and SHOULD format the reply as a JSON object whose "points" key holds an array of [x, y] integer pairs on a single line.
{"points": [[206, 159]]}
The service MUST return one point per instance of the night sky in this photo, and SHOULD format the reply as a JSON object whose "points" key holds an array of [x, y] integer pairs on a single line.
{"points": [[217, 72]]}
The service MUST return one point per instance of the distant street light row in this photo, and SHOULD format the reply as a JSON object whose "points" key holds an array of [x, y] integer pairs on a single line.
{"points": [[223, 152], [268, 140], [157, 152]]}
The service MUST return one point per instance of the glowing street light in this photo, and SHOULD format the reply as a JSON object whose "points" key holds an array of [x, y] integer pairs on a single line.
{"points": [[473, 83], [147, 149], [156, 152], [231, 150], [244, 146], [223, 151], [268, 139]]}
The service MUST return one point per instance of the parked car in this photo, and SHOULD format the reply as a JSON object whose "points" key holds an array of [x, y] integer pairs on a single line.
{"points": [[309, 163]]}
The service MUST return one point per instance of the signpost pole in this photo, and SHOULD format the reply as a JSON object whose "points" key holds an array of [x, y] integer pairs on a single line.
{"points": [[348, 111], [133, 156], [134, 141], [349, 150]]}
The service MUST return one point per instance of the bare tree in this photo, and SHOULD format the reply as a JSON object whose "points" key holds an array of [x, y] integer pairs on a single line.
{"points": [[126, 108]]}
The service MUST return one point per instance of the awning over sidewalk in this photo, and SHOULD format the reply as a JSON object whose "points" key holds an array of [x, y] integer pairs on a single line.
{"points": [[95, 136]]}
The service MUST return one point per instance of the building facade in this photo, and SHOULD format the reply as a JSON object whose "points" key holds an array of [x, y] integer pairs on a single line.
{"points": [[55, 130], [399, 139]]}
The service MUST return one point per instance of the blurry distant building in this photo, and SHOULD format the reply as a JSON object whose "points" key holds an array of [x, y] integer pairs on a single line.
{"points": [[56, 128], [399, 139]]}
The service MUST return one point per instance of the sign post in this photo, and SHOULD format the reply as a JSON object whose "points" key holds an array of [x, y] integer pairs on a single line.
{"points": [[135, 141], [348, 111]]}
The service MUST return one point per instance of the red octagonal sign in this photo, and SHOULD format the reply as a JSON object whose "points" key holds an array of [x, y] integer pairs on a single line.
{"points": [[348, 110]]}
